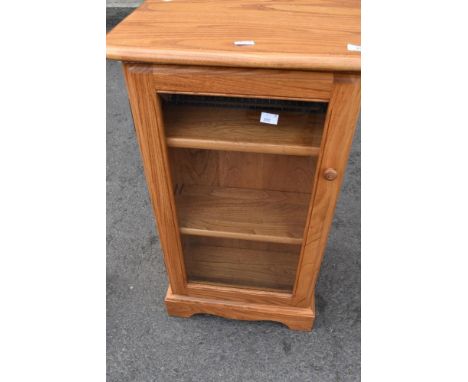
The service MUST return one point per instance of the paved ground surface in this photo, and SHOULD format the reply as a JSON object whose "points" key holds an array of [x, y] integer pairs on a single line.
{"points": [[144, 344], [123, 3]]}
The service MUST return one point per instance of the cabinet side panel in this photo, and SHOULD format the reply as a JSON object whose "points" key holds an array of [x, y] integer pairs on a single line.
{"points": [[149, 129], [341, 120]]}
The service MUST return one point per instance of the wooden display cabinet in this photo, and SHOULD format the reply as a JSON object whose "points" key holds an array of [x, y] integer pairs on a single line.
{"points": [[243, 203]]}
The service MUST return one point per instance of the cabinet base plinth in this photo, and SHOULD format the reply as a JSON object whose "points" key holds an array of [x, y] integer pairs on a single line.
{"points": [[185, 306]]}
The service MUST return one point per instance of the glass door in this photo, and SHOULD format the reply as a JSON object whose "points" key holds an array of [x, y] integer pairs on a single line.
{"points": [[243, 170]]}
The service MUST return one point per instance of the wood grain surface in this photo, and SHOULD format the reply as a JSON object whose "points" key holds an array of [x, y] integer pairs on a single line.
{"points": [[186, 306], [240, 292], [242, 170], [152, 142], [241, 82], [260, 215], [255, 268], [236, 129], [342, 114], [225, 199], [300, 34], [232, 293]]}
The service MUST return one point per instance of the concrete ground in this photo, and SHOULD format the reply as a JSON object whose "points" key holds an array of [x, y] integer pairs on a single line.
{"points": [[144, 344]]}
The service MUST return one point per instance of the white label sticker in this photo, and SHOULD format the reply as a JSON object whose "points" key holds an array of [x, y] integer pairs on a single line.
{"points": [[269, 118], [354, 48], [244, 43]]}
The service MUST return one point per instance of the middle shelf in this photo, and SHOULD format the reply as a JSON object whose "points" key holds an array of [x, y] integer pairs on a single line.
{"points": [[238, 213]]}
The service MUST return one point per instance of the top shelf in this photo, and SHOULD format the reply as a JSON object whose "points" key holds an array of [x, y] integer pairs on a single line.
{"points": [[237, 129]]}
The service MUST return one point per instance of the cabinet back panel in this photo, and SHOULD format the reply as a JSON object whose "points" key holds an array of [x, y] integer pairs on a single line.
{"points": [[239, 263], [242, 170]]}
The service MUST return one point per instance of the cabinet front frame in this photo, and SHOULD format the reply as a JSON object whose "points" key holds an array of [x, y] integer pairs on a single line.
{"points": [[342, 92]]}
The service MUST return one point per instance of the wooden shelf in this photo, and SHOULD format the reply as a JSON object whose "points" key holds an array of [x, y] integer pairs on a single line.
{"points": [[237, 129], [265, 269], [260, 215]]}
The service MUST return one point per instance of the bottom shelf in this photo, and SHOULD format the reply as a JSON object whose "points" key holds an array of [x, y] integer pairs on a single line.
{"points": [[242, 264]]}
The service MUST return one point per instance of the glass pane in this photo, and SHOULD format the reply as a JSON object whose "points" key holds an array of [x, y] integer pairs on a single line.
{"points": [[243, 172]]}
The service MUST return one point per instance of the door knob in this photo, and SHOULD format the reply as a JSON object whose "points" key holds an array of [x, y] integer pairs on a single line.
{"points": [[330, 174]]}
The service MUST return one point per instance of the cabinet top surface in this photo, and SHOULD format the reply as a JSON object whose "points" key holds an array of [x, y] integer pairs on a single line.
{"points": [[288, 34]]}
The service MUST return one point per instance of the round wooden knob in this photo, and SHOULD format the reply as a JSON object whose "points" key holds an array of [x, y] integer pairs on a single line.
{"points": [[330, 174]]}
